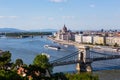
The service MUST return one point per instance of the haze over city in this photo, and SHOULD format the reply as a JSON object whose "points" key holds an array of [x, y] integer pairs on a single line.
{"points": [[53, 14]]}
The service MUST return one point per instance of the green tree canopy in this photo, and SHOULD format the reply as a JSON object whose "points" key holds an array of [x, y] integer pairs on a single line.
{"points": [[33, 69], [5, 58], [41, 61], [19, 62], [82, 76], [9, 75]]}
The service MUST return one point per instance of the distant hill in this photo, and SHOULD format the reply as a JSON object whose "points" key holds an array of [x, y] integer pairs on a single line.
{"points": [[44, 30], [10, 30], [18, 30]]}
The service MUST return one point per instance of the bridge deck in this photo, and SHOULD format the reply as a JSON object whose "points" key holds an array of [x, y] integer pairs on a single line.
{"points": [[70, 59]]}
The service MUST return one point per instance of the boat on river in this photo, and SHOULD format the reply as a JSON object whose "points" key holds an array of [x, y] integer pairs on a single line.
{"points": [[52, 47]]}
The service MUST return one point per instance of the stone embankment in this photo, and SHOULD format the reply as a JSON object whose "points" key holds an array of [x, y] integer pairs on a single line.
{"points": [[78, 45], [64, 42]]}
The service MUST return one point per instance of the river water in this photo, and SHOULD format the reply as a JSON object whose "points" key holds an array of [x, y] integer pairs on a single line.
{"points": [[27, 48]]}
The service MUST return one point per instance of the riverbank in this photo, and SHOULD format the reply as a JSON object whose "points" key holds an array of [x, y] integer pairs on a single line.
{"points": [[64, 42], [78, 45]]}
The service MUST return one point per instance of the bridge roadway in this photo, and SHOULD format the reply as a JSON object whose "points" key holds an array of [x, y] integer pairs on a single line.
{"points": [[106, 58], [68, 62], [70, 59], [83, 58], [87, 62]]}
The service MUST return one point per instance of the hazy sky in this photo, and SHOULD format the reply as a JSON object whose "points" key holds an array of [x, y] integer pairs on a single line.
{"points": [[53, 14]]}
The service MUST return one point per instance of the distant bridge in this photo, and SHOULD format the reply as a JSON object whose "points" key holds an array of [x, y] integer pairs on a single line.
{"points": [[83, 58]]}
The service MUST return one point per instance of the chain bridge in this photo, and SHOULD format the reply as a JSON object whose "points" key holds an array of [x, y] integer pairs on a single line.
{"points": [[84, 57]]}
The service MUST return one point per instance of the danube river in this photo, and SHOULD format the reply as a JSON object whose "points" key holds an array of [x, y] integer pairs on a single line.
{"points": [[27, 48]]}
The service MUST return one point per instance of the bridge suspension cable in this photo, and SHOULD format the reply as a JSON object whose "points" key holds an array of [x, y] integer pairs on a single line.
{"points": [[65, 57], [85, 57]]}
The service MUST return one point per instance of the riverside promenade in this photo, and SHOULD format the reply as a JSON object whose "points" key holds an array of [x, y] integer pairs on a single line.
{"points": [[69, 42], [78, 45]]}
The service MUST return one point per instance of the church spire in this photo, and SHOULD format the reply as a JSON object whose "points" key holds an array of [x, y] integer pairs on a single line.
{"points": [[64, 28], [64, 25]]}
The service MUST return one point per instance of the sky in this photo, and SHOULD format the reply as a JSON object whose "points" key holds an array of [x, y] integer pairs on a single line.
{"points": [[53, 14]]}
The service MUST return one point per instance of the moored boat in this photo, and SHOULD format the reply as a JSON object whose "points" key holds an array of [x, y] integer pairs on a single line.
{"points": [[52, 47]]}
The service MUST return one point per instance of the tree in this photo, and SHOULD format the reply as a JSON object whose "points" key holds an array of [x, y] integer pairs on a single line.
{"points": [[82, 76], [41, 61], [5, 59], [9, 75], [7, 56], [19, 62], [35, 71], [59, 76]]}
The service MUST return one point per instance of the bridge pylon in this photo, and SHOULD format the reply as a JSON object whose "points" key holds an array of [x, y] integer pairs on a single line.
{"points": [[84, 57]]}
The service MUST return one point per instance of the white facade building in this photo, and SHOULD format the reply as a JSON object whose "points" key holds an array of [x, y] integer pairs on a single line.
{"points": [[113, 40], [78, 38], [87, 39], [83, 39], [99, 40]]}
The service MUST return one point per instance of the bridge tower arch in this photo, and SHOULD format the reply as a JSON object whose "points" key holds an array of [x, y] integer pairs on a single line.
{"points": [[84, 57]]}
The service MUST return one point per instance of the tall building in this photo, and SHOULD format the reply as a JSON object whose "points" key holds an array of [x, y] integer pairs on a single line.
{"points": [[65, 34]]}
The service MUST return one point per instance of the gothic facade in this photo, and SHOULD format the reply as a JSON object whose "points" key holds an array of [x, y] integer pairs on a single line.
{"points": [[65, 34]]}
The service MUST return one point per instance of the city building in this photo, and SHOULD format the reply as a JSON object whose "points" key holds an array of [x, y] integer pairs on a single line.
{"points": [[99, 40], [88, 39], [65, 34], [113, 40], [78, 38]]}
